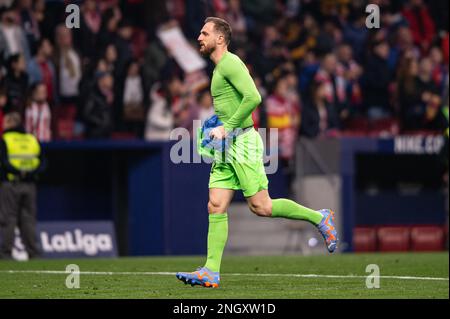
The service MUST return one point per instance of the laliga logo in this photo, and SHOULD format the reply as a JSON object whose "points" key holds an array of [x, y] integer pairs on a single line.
{"points": [[77, 242]]}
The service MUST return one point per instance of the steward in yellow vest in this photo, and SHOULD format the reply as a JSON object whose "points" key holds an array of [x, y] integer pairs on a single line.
{"points": [[20, 163]]}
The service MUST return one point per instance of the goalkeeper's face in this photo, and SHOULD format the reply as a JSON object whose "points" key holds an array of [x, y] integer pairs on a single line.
{"points": [[207, 39]]}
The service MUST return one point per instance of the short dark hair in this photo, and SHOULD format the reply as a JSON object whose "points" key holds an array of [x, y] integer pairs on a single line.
{"points": [[14, 118], [221, 26], [40, 43], [12, 59]]}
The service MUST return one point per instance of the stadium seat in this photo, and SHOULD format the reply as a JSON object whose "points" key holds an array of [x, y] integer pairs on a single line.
{"points": [[422, 133], [353, 133], [393, 238], [360, 124], [388, 126], [364, 239], [123, 136], [64, 117], [427, 238], [64, 129]]}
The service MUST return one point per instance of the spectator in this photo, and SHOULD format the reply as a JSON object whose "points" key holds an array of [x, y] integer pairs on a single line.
{"points": [[403, 44], [124, 51], [352, 73], [328, 38], [445, 46], [16, 84], [332, 76], [420, 23], [42, 69], [88, 81], [355, 32], [12, 37], [445, 93], [182, 101], [155, 58], [106, 63], [439, 14], [308, 69], [410, 100], [306, 38], [3, 63], [160, 120], [426, 76], [123, 46], [108, 30], [3, 102], [44, 13], [259, 11], [205, 105], [110, 58], [98, 113], [319, 116], [418, 96], [272, 53], [29, 23], [291, 8], [196, 12], [236, 19], [377, 79], [68, 65], [431, 96], [440, 70], [38, 115], [133, 114], [292, 88], [283, 113], [86, 36], [259, 114], [311, 40], [177, 10]]}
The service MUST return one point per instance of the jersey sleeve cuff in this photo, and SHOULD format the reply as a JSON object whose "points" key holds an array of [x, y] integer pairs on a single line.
{"points": [[227, 127]]}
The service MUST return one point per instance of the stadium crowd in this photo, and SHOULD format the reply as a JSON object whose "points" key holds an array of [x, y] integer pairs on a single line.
{"points": [[319, 69]]}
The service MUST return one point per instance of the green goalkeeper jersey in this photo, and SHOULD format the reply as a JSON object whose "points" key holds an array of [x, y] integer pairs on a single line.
{"points": [[234, 93]]}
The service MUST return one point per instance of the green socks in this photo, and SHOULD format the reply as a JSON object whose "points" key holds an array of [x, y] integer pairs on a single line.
{"points": [[217, 238], [218, 227], [287, 208]]}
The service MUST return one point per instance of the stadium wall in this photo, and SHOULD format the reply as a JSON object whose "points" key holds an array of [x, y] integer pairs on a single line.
{"points": [[159, 207]]}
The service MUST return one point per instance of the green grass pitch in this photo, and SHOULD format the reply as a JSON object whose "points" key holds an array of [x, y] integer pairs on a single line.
{"points": [[242, 277]]}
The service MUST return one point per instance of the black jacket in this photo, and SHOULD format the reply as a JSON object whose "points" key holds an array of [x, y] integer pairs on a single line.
{"points": [[16, 88], [310, 119], [98, 115], [376, 83]]}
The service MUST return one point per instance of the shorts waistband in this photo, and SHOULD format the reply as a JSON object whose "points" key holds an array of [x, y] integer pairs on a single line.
{"points": [[241, 131]]}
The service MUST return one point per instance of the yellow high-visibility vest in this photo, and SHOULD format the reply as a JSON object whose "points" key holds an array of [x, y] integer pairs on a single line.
{"points": [[23, 151]]}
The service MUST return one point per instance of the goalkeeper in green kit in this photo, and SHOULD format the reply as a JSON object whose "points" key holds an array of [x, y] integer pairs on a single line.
{"points": [[235, 97]]}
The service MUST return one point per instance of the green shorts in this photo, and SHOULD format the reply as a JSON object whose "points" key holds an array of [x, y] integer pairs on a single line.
{"points": [[241, 167]]}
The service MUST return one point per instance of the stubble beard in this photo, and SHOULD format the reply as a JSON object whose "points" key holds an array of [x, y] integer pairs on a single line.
{"points": [[206, 51]]}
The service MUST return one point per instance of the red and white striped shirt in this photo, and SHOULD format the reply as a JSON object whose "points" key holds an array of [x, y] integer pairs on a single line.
{"points": [[283, 113], [38, 121]]}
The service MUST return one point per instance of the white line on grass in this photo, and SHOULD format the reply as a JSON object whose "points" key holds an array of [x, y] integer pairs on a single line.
{"points": [[147, 273]]}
